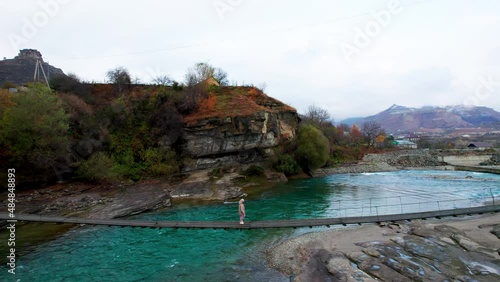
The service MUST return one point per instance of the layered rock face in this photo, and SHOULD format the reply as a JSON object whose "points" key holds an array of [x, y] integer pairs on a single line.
{"points": [[221, 140], [262, 130], [238, 139]]}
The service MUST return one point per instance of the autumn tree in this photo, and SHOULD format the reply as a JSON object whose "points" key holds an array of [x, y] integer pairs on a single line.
{"points": [[120, 77], [342, 134], [356, 135], [221, 77], [321, 119], [203, 71], [380, 139], [196, 91], [163, 80], [317, 116], [371, 130]]}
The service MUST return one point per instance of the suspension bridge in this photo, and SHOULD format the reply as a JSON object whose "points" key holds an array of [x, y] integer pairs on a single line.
{"points": [[292, 223]]}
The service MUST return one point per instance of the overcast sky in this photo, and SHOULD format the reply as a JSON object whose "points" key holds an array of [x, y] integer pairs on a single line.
{"points": [[351, 57]]}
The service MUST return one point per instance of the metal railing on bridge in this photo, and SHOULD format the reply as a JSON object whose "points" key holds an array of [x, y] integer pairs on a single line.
{"points": [[370, 210]]}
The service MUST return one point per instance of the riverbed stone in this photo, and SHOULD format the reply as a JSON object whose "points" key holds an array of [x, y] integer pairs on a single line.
{"points": [[343, 269], [375, 268], [316, 269], [432, 255], [142, 198], [371, 251], [465, 242], [447, 230], [496, 231]]}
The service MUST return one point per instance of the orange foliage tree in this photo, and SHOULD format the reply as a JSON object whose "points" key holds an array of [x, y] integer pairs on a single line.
{"points": [[356, 134], [208, 104]]}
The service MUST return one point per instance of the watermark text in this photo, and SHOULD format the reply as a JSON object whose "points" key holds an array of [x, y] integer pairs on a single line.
{"points": [[373, 28], [222, 7], [483, 91], [31, 26], [11, 208]]}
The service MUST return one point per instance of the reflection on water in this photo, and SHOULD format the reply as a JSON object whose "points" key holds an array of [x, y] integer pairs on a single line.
{"points": [[134, 254]]}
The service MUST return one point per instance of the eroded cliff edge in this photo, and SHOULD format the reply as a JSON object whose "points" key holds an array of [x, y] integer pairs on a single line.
{"points": [[241, 128]]}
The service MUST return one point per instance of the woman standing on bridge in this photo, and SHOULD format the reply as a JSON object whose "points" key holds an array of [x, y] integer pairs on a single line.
{"points": [[241, 210]]}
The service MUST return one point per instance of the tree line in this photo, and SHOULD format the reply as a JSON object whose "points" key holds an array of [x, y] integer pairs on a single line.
{"points": [[87, 131], [322, 143], [120, 131]]}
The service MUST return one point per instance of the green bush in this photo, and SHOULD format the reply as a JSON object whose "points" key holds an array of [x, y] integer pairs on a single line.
{"points": [[132, 172], [286, 164], [160, 162], [35, 129], [312, 148], [126, 166], [341, 154], [98, 167]]}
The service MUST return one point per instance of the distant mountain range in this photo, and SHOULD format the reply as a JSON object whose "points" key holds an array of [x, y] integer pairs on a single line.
{"points": [[404, 119], [21, 69]]}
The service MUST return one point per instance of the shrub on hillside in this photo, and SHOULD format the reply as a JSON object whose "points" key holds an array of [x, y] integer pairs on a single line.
{"points": [[312, 148], [160, 162], [98, 167], [34, 129], [69, 84], [286, 164], [191, 98], [8, 84], [167, 122]]}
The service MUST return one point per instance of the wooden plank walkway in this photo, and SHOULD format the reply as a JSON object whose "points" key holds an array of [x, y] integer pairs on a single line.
{"points": [[293, 223]]}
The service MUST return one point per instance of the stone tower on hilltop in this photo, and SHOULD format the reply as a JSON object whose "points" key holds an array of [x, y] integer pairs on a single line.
{"points": [[20, 70], [29, 54]]}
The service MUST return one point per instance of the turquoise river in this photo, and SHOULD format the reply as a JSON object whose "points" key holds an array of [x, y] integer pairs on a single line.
{"points": [[90, 253]]}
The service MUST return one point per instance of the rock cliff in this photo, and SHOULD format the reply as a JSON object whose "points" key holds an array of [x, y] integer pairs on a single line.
{"points": [[240, 129]]}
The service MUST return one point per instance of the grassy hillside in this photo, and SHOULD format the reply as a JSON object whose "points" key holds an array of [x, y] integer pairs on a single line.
{"points": [[232, 101]]}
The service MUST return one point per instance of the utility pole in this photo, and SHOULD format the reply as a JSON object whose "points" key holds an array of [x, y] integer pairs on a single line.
{"points": [[38, 68]]}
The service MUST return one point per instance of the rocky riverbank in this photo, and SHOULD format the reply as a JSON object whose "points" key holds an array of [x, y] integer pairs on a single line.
{"points": [[465, 249], [114, 200], [390, 161], [94, 200], [494, 161]]}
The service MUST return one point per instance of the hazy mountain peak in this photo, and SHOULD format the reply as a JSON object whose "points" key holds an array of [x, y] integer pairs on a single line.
{"points": [[400, 118], [397, 109]]}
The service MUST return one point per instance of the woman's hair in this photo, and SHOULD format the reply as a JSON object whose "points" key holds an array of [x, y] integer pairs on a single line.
{"points": [[241, 201]]}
